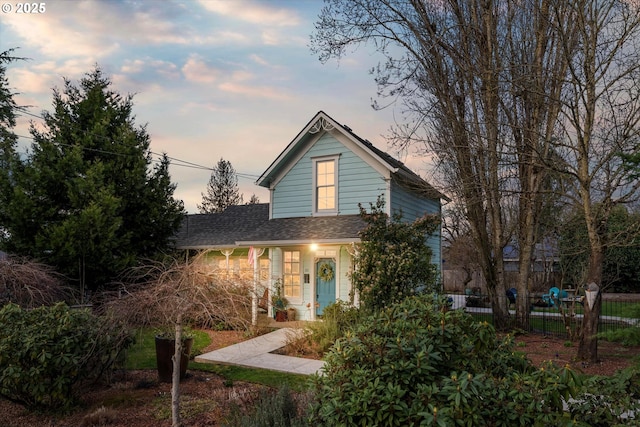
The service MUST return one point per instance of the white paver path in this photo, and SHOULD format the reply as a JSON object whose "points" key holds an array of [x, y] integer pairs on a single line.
{"points": [[256, 353]]}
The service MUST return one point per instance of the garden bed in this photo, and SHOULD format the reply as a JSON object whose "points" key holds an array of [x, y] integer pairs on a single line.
{"points": [[135, 398]]}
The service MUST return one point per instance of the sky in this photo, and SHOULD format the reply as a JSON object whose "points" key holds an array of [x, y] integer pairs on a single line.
{"points": [[231, 79]]}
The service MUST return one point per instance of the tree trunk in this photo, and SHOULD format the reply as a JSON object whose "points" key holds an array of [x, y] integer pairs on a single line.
{"points": [[522, 288], [588, 347], [175, 385], [496, 290]]}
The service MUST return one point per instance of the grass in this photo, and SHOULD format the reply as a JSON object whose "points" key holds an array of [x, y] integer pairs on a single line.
{"points": [[609, 308], [142, 355]]}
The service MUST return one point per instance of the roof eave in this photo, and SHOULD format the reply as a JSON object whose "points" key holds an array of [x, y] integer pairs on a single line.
{"points": [[267, 243]]}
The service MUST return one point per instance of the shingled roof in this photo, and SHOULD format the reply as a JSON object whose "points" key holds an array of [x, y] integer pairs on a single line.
{"points": [[249, 225], [301, 230], [221, 230]]}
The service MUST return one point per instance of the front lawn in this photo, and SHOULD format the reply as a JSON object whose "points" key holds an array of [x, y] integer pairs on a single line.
{"points": [[142, 355]]}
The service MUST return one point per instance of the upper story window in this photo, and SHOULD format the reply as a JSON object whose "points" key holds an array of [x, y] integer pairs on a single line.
{"points": [[325, 185]]}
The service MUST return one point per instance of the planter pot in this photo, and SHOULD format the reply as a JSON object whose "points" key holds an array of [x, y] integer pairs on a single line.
{"points": [[165, 348], [291, 314], [281, 316]]}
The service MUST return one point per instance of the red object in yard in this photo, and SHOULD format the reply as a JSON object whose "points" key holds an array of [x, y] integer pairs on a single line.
{"points": [[281, 316]]}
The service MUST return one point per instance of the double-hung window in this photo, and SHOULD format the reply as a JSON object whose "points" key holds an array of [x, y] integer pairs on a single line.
{"points": [[325, 185], [291, 274]]}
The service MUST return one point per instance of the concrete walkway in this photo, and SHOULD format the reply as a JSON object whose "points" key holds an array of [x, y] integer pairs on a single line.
{"points": [[256, 353]]}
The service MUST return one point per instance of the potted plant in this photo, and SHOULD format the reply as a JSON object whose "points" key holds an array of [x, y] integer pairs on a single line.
{"points": [[279, 303]]}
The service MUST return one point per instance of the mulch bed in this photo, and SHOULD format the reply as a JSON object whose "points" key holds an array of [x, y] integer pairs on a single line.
{"points": [[136, 398]]}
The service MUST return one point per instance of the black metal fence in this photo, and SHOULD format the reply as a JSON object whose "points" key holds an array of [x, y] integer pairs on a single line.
{"points": [[553, 316]]}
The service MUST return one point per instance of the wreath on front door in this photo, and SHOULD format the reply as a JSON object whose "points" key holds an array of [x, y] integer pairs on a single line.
{"points": [[325, 272]]}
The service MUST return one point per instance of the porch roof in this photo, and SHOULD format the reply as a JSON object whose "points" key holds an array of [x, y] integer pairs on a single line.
{"points": [[249, 225], [303, 230]]}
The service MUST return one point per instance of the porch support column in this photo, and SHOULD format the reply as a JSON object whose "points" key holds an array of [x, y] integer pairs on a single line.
{"points": [[227, 253], [257, 253], [353, 250]]}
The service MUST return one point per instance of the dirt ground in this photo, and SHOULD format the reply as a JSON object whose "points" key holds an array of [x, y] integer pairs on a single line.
{"points": [[135, 398]]}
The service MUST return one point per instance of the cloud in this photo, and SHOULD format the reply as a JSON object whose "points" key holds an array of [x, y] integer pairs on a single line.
{"points": [[259, 60], [98, 29], [62, 33], [197, 70], [255, 91], [253, 13], [149, 65], [238, 81]]}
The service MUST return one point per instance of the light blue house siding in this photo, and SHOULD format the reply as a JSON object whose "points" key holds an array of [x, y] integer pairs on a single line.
{"points": [[357, 182], [345, 270], [413, 207], [304, 305]]}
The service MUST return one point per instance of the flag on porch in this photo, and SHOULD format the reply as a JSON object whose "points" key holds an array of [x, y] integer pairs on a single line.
{"points": [[251, 255]]}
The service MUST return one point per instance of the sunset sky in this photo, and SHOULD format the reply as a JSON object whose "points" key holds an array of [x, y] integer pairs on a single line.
{"points": [[232, 79]]}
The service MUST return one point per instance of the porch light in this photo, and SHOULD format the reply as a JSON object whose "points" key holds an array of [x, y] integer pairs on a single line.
{"points": [[314, 247]]}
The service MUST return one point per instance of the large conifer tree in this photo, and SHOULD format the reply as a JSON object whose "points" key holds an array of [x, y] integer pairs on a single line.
{"points": [[8, 138], [222, 189], [88, 199]]}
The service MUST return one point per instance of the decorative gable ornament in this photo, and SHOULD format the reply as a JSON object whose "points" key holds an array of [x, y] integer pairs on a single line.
{"points": [[321, 124]]}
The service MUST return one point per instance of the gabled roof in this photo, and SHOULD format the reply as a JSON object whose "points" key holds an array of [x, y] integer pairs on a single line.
{"points": [[323, 122], [249, 225]]}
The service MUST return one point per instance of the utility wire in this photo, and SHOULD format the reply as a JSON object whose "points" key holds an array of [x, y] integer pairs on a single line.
{"points": [[179, 162]]}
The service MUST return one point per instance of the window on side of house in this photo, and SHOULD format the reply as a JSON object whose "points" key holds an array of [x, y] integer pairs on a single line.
{"points": [[325, 183], [291, 274]]}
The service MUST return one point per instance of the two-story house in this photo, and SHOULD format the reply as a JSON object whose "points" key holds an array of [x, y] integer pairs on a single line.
{"points": [[305, 237]]}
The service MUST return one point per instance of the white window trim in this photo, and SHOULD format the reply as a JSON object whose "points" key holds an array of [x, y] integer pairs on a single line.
{"points": [[314, 186], [294, 300]]}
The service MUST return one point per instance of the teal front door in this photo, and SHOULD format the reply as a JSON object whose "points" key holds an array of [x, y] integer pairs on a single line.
{"points": [[325, 283]]}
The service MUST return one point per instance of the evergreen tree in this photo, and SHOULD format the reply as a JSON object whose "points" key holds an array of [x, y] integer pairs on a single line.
{"points": [[87, 198], [222, 189], [8, 139]]}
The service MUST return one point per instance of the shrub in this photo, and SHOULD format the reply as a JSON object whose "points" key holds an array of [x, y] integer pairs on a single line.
{"points": [[337, 318], [279, 409], [393, 260], [609, 401], [48, 353], [30, 284], [413, 364]]}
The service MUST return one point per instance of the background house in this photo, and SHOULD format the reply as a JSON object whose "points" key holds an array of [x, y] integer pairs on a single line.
{"points": [[461, 272], [304, 238]]}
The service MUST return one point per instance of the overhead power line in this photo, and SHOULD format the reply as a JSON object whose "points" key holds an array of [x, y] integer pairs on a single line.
{"points": [[174, 160]]}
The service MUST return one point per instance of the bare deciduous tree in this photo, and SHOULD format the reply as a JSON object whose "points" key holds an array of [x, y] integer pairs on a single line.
{"points": [[480, 84], [178, 292], [600, 126]]}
